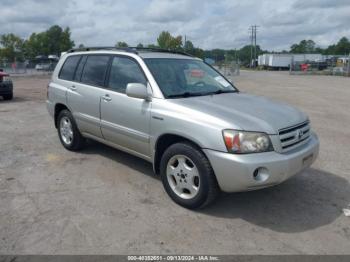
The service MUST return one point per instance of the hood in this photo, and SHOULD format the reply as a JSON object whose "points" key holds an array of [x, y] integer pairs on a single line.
{"points": [[245, 112], [2, 74]]}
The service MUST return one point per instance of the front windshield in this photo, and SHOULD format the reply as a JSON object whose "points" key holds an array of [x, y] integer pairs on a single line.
{"points": [[187, 77]]}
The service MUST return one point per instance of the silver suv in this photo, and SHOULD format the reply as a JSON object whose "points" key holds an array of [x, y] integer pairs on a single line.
{"points": [[201, 134]]}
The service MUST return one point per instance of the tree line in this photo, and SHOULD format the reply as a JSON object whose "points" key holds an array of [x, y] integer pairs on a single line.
{"points": [[56, 40], [167, 41], [50, 42], [342, 47]]}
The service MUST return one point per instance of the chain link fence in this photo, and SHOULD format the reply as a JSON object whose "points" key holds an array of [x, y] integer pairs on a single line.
{"points": [[14, 68], [27, 68], [337, 66], [229, 69]]}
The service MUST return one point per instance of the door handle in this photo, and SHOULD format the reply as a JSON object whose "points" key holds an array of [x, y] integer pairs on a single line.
{"points": [[73, 87], [107, 98]]}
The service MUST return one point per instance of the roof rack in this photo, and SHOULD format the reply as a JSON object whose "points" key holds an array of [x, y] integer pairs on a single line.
{"points": [[96, 48], [161, 50], [134, 50]]}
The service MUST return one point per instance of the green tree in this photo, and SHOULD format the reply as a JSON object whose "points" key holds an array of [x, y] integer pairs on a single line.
{"points": [[51, 42], [342, 47], [295, 49], [35, 45], [65, 41], [140, 45], [152, 46], [188, 46], [121, 44], [217, 55], [305, 46], [195, 51], [198, 52], [330, 50], [244, 54], [164, 39], [12, 47], [233, 55], [167, 41]]}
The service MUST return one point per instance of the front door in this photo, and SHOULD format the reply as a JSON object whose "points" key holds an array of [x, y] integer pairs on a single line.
{"points": [[125, 121]]}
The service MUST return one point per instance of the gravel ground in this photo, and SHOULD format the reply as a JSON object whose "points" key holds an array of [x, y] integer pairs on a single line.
{"points": [[103, 201]]}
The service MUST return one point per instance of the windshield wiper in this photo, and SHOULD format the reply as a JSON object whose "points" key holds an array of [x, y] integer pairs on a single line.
{"points": [[220, 91], [185, 94], [189, 94]]}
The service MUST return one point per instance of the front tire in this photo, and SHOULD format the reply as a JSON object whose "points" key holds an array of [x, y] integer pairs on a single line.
{"points": [[68, 131], [8, 97], [188, 177]]}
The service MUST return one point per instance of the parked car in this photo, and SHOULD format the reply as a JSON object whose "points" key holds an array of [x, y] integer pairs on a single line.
{"points": [[43, 67], [201, 134], [6, 86]]}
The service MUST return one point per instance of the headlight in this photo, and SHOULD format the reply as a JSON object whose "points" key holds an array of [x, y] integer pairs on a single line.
{"points": [[241, 142]]}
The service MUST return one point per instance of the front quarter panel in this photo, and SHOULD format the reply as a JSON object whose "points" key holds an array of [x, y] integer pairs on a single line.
{"points": [[201, 128]]}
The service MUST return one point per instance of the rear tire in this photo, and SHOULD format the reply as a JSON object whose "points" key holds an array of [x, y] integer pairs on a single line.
{"points": [[8, 97], [188, 177], [68, 131]]}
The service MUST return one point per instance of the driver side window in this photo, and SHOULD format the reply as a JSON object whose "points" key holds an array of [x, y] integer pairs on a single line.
{"points": [[124, 71]]}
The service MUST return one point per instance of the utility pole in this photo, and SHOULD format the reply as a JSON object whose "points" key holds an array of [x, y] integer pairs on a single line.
{"points": [[255, 45], [251, 45], [348, 65], [253, 52]]}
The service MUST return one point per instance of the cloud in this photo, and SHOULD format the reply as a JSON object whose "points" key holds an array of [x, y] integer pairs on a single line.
{"points": [[208, 24], [321, 3], [171, 11]]}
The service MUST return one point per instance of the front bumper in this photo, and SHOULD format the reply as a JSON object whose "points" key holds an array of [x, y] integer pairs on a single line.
{"points": [[6, 88], [235, 173]]}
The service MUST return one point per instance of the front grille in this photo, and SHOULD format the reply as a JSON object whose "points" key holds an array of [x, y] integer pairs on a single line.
{"points": [[294, 136]]}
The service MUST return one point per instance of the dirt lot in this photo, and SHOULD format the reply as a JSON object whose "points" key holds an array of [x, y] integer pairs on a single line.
{"points": [[103, 201]]}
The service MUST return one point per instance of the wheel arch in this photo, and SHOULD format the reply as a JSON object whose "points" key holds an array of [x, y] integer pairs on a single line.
{"points": [[166, 140], [58, 108]]}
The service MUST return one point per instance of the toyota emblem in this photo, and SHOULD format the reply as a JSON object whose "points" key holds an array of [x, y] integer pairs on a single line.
{"points": [[300, 133]]}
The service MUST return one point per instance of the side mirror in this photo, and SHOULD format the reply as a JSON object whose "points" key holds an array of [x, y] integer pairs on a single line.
{"points": [[137, 90]]}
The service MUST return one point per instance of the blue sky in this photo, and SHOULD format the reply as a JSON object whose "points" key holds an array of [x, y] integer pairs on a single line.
{"points": [[208, 24]]}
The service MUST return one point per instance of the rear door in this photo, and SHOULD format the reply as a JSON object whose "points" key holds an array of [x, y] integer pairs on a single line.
{"points": [[85, 92], [125, 121]]}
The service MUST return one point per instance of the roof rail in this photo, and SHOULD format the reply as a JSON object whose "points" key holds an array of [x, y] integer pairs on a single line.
{"points": [[130, 49], [161, 50], [96, 48]]}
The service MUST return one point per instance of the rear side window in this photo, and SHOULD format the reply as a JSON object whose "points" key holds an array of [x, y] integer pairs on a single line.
{"points": [[124, 71], [95, 70], [68, 68]]}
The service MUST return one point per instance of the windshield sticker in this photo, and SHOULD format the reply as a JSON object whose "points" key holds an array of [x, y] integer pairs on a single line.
{"points": [[197, 73], [222, 81]]}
